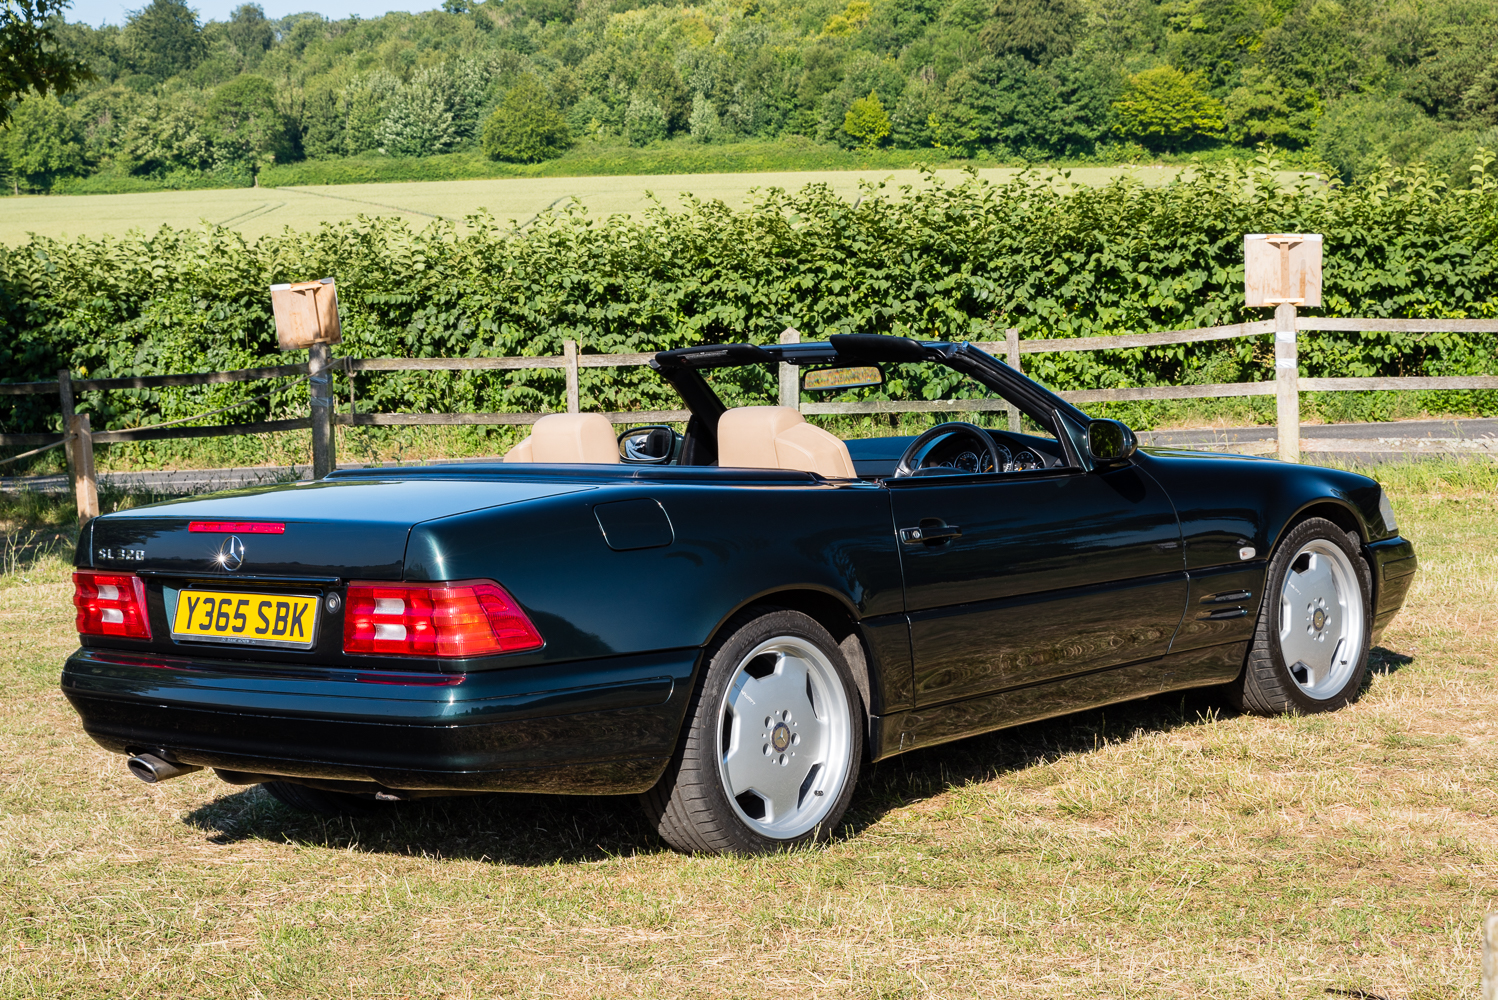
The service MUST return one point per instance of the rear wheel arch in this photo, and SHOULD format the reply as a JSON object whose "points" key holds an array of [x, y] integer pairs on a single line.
{"points": [[829, 611]]}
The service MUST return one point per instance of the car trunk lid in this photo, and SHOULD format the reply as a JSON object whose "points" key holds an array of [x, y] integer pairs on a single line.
{"points": [[340, 529]]}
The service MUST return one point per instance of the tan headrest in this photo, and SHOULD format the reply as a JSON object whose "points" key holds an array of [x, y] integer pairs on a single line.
{"points": [[569, 439], [778, 437]]}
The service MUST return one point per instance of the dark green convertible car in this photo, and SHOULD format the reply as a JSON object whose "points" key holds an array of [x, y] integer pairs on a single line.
{"points": [[729, 621]]}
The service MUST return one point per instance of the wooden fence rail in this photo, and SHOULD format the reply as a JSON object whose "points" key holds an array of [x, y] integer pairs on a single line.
{"points": [[1286, 326]]}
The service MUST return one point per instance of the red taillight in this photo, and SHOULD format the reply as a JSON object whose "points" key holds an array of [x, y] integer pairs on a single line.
{"points": [[467, 618], [238, 527], [111, 604]]}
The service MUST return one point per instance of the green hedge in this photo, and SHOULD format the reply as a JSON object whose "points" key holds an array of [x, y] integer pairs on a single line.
{"points": [[608, 159], [946, 261]]}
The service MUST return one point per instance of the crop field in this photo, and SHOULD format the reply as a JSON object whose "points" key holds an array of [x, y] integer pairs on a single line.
{"points": [[259, 211], [1165, 848]]}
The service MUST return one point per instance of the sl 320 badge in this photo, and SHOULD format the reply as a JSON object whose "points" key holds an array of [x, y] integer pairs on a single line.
{"points": [[121, 554]]}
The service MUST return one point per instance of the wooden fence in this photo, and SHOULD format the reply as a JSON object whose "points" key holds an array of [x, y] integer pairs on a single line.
{"points": [[1286, 386]]}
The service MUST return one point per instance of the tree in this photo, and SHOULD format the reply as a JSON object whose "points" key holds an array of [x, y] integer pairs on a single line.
{"points": [[1029, 111], [250, 31], [526, 127], [916, 121], [41, 144], [32, 61], [644, 121], [164, 39], [1037, 30], [1480, 102], [867, 121], [1165, 107], [418, 120], [162, 140], [703, 122], [245, 125], [1219, 37], [1261, 110]]}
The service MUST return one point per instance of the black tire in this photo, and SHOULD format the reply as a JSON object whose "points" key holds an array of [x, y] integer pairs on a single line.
{"points": [[320, 802], [1267, 685], [691, 806]]}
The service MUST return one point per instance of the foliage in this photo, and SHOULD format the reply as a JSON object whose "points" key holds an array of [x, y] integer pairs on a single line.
{"points": [[1166, 107], [32, 60], [250, 32], [163, 39], [867, 121], [526, 127], [436, 110], [1037, 30], [704, 123], [1011, 80], [1260, 109], [418, 121], [244, 124], [1364, 132], [40, 143], [645, 121], [957, 262]]}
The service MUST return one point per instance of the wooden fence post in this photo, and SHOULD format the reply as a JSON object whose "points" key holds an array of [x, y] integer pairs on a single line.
{"points": [[569, 351], [1011, 343], [85, 489], [324, 455], [790, 375], [65, 397], [1490, 957], [1287, 383]]}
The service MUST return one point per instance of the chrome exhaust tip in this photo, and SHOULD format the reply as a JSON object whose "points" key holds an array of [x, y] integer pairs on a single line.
{"points": [[150, 768]]}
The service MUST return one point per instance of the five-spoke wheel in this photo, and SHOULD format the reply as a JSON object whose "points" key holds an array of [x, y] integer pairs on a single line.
{"points": [[1321, 618], [786, 733], [773, 744], [1310, 649]]}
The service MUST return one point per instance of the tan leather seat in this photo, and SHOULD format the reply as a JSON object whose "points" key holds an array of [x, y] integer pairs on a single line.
{"points": [[778, 437], [569, 439]]}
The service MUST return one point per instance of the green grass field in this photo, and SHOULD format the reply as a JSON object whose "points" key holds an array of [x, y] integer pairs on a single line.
{"points": [[1165, 848], [257, 211]]}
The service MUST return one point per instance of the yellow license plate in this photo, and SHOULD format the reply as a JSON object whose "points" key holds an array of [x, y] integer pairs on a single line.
{"points": [[246, 619]]}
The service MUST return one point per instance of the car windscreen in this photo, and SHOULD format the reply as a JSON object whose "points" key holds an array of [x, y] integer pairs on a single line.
{"points": [[907, 398]]}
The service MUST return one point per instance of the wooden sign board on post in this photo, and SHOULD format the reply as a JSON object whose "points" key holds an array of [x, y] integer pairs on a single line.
{"points": [[306, 314], [1280, 268]]}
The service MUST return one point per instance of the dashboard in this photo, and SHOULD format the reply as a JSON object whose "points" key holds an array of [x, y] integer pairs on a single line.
{"points": [[877, 458], [963, 453]]}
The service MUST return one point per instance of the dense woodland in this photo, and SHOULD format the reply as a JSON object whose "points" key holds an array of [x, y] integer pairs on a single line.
{"points": [[1350, 84]]}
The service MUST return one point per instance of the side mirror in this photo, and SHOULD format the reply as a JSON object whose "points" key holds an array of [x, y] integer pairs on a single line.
{"points": [[649, 445], [1109, 441]]}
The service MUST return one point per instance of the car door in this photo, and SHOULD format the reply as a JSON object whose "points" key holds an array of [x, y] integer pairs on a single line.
{"points": [[1021, 578]]}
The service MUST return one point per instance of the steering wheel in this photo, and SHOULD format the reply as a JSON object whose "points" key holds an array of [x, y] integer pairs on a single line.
{"points": [[978, 434]]}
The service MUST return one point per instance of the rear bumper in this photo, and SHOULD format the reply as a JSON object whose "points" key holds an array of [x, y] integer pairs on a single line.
{"points": [[598, 726], [1394, 565]]}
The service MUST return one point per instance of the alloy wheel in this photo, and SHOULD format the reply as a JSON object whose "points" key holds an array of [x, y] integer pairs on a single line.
{"points": [[785, 736], [1321, 619]]}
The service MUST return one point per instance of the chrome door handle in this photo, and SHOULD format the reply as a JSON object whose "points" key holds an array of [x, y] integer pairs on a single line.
{"points": [[930, 532]]}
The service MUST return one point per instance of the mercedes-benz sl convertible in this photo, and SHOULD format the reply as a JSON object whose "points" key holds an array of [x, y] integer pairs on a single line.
{"points": [[731, 620]]}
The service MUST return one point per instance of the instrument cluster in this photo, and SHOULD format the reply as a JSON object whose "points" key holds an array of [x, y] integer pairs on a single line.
{"points": [[961, 453]]}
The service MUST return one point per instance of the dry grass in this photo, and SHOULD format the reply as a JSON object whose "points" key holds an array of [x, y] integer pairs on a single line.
{"points": [[257, 212], [1161, 849]]}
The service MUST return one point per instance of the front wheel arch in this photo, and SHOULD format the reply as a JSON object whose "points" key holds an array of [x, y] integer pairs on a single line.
{"points": [[1340, 513]]}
